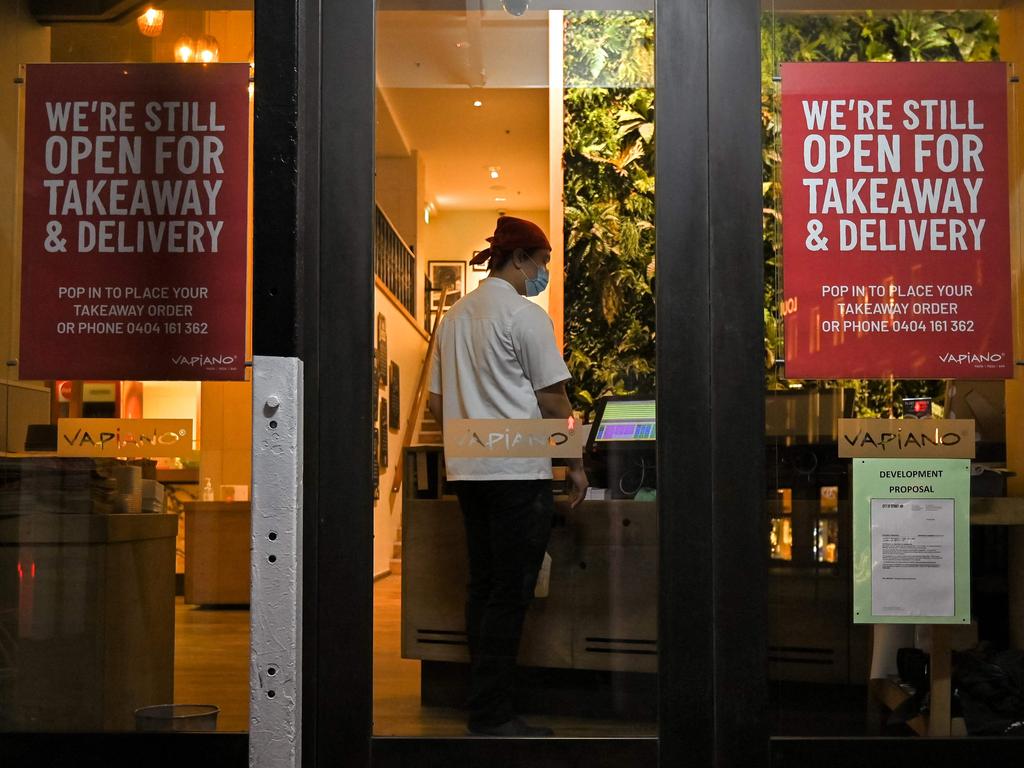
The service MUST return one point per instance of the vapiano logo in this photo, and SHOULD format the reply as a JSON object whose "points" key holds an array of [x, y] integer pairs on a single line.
{"points": [[203, 361], [971, 357]]}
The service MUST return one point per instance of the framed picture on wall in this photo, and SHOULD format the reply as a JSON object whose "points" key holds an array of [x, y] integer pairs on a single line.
{"points": [[394, 400], [382, 351], [375, 405], [478, 267], [374, 465], [428, 316], [382, 432], [446, 274]]}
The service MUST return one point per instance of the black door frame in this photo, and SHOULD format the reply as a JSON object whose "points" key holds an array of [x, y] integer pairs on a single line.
{"points": [[315, 114], [709, 320]]}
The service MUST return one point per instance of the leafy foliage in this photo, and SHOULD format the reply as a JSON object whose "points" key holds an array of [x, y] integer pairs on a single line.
{"points": [[609, 203], [609, 179], [906, 36]]}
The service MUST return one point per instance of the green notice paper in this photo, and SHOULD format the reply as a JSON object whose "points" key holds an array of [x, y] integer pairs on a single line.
{"points": [[911, 541]]}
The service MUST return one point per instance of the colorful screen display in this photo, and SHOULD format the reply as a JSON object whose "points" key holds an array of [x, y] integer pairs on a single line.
{"points": [[626, 421]]}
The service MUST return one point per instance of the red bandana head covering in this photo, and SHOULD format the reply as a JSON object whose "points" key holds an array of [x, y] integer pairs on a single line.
{"points": [[511, 233]]}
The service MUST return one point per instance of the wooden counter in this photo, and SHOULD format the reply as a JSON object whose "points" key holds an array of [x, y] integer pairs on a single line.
{"points": [[217, 545]]}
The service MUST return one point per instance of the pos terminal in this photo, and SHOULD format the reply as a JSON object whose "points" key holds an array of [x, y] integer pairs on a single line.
{"points": [[621, 448]]}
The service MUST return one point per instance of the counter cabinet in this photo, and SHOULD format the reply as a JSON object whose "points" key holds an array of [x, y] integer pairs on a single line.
{"points": [[602, 604]]}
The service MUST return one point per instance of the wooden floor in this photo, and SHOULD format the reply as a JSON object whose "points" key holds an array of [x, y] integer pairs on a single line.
{"points": [[212, 667], [396, 687], [211, 661]]}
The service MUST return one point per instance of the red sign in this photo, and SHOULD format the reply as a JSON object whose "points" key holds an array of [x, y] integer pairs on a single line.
{"points": [[135, 218], [896, 245]]}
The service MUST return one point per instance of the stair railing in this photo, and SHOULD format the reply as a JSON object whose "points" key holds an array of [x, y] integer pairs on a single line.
{"points": [[421, 396]]}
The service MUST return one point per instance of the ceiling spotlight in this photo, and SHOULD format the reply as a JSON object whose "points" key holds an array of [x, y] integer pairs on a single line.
{"points": [[494, 171], [515, 7], [500, 199], [478, 103]]}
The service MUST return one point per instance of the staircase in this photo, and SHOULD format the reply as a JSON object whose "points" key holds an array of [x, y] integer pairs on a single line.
{"points": [[427, 430], [430, 430], [396, 553], [428, 433]]}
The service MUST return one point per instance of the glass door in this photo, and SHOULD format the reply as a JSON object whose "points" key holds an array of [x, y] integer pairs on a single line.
{"points": [[915, 663], [492, 122], [124, 485], [645, 620]]}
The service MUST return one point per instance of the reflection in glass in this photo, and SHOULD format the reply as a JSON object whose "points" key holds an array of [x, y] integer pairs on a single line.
{"points": [[781, 538], [107, 604], [826, 540], [826, 530], [822, 666]]}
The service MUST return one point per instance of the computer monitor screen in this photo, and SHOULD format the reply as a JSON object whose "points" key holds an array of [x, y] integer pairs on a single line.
{"points": [[625, 421]]}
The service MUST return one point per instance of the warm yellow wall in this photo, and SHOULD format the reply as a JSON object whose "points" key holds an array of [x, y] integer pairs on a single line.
{"points": [[225, 424], [114, 41], [556, 191], [454, 235], [22, 41], [171, 400], [408, 348], [396, 193], [234, 33], [1011, 44]]}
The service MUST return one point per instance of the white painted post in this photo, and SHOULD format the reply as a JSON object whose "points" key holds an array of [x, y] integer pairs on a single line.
{"points": [[275, 664]]}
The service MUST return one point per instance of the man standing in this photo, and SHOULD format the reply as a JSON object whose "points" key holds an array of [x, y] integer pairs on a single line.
{"points": [[496, 358]]}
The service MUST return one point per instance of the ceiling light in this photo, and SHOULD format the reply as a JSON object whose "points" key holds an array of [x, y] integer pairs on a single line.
{"points": [[478, 103], [500, 199], [494, 171], [207, 49], [184, 49], [151, 22]]}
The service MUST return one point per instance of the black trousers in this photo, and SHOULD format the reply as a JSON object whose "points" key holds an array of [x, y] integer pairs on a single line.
{"points": [[507, 527]]}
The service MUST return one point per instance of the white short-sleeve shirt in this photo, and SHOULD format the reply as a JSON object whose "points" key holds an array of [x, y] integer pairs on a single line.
{"points": [[494, 349]]}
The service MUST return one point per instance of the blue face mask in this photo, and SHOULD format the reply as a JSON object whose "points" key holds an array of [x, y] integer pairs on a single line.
{"points": [[536, 285]]}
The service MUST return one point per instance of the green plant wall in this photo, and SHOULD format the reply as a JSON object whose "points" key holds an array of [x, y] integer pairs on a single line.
{"points": [[609, 204], [609, 140]]}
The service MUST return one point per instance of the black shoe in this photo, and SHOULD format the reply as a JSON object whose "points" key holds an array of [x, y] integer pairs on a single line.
{"points": [[513, 727]]}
